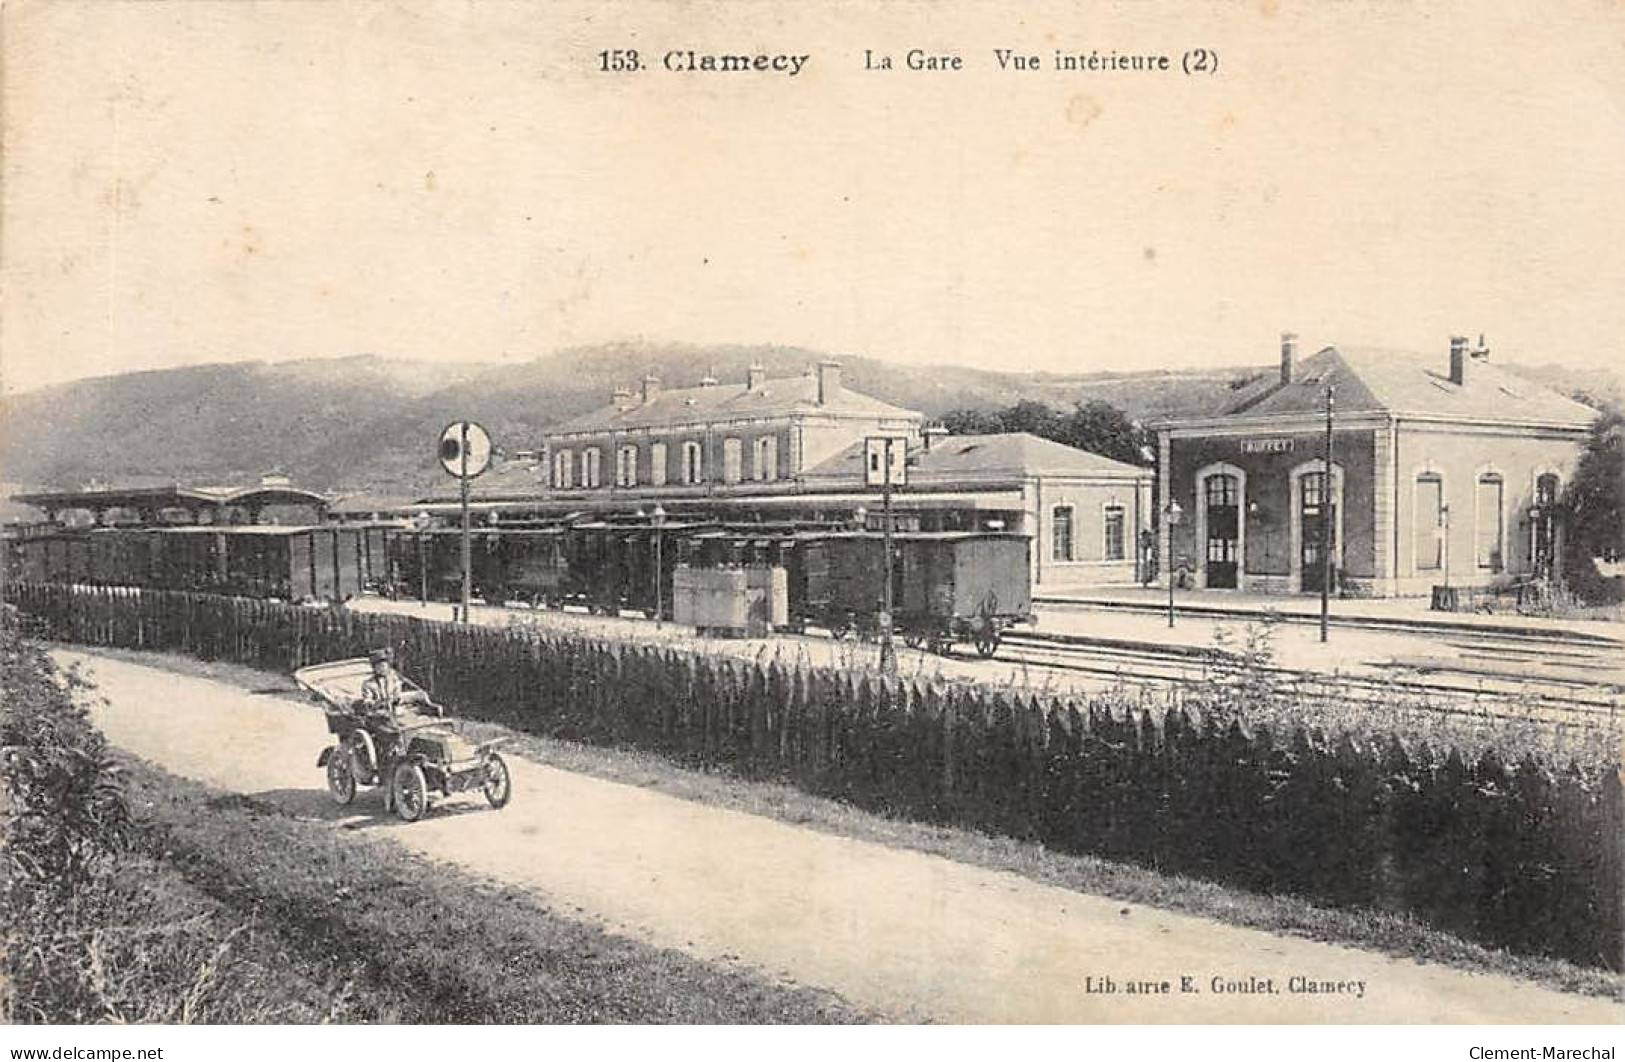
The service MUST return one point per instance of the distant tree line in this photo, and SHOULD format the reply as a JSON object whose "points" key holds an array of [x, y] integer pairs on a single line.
{"points": [[1096, 426]]}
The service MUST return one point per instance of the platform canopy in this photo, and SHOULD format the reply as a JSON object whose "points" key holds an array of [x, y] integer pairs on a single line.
{"points": [[148, 502]]}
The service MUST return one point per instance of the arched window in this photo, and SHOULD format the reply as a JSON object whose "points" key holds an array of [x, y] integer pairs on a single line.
{"points": [[732, 459], [591, 467], [1061, 534], [1116, 545], [1428, 522], [1543, 524], [563, 466], [693, 463], [1489, 512], [1221, 523], [767, 458]]}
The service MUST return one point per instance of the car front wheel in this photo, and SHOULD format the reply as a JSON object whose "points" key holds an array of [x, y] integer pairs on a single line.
{"points": [[340, 777], [498, 783], [411, 791]]}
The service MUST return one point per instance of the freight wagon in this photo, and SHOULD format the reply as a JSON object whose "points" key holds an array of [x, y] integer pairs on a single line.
{"points": [[288, 563], [947, 586]]}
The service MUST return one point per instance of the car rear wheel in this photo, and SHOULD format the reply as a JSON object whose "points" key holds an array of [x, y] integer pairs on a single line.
{"points": [[411, 790], [340, 776], [498, 783]]}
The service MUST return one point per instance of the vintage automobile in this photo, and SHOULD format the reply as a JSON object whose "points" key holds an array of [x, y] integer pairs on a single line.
{"points": [[415, 754]]}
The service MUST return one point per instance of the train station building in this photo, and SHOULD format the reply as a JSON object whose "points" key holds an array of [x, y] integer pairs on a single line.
{"points": [[1445, 470], [791, 449]]}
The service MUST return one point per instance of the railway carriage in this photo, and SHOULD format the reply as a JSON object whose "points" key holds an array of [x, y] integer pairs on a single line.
{"points": [[291, 563], [54, 558], [947, 586]]}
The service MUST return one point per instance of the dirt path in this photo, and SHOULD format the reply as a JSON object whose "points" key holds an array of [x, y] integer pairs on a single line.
{"points": [[913, 935]]}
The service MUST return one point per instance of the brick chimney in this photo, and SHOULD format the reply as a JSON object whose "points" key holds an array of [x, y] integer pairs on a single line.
{"points": [[755, 376], [1458, 359], [709, 379], [1482, 351], [931, 433], [1289, 356], [651, 387], [622, 398], [829, 380]]}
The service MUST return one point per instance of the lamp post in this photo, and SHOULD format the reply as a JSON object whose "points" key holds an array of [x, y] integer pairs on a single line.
{"points": [[658, 519], [888, 651], [1326, 518], [1444, 530], [1171, 513], [1255, 518]]}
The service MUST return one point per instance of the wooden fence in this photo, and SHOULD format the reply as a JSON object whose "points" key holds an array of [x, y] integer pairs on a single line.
{"points": [[1524, 855]]}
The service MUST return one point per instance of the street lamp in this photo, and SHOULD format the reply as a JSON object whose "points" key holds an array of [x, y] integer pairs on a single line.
{"points": [[1444, 528], [1327, 515], [1171, 513]]}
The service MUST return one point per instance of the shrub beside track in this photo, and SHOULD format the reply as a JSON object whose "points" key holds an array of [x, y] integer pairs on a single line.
{"points": [[1513, 850]]}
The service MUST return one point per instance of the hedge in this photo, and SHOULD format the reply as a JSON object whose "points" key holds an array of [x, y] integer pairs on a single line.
{"points": [[1524, 855]]}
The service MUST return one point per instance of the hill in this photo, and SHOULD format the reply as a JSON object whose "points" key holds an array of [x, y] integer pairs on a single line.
{"points": [[368, 421]]}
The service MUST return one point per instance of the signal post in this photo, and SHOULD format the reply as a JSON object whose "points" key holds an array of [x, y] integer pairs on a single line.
{"points": [[465, 452]]}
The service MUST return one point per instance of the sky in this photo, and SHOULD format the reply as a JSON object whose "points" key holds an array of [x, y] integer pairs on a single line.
{"points": [[220, 181]]}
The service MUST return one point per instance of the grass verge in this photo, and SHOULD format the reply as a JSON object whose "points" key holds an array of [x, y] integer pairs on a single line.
{"points": [[422, 942], [134, 896], [1382, 932]]}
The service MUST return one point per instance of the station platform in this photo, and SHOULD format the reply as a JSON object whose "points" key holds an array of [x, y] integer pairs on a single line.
{"points": [[1395, 613]]}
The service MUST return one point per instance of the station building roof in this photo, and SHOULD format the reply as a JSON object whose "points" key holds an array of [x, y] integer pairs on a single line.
{"points": [[1405, 383], [972, 460], [780, 397]]}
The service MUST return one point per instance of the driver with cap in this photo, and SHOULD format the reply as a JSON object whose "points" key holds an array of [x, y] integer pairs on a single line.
{"points": [[384, 690], [383, 694]]}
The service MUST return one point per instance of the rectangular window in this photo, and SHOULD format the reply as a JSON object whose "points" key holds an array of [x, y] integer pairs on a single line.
{"points": [[1061, 533], [657, 465], [1429, 517], [563, 464], [1115, 544], [626, 467], [1488, 511], [767, 458], [693, 466], [732, 460], [591, 468]]}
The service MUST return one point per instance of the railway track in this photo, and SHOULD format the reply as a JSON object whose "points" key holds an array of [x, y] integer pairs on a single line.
{"points": [[1563, 699], [1555, 700], [1392, 624]]}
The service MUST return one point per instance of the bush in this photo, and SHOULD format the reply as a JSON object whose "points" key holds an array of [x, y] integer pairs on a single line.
{"points": [[94, 929]]}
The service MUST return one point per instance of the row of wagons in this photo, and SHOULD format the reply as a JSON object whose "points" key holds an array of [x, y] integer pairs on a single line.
{"points": [[946, 586], [319, 563]]}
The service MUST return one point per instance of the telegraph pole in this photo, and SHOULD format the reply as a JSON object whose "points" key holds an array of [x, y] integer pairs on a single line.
{"points": [[888, 651], [467, 551], [878, 471], [1326, 520]]}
